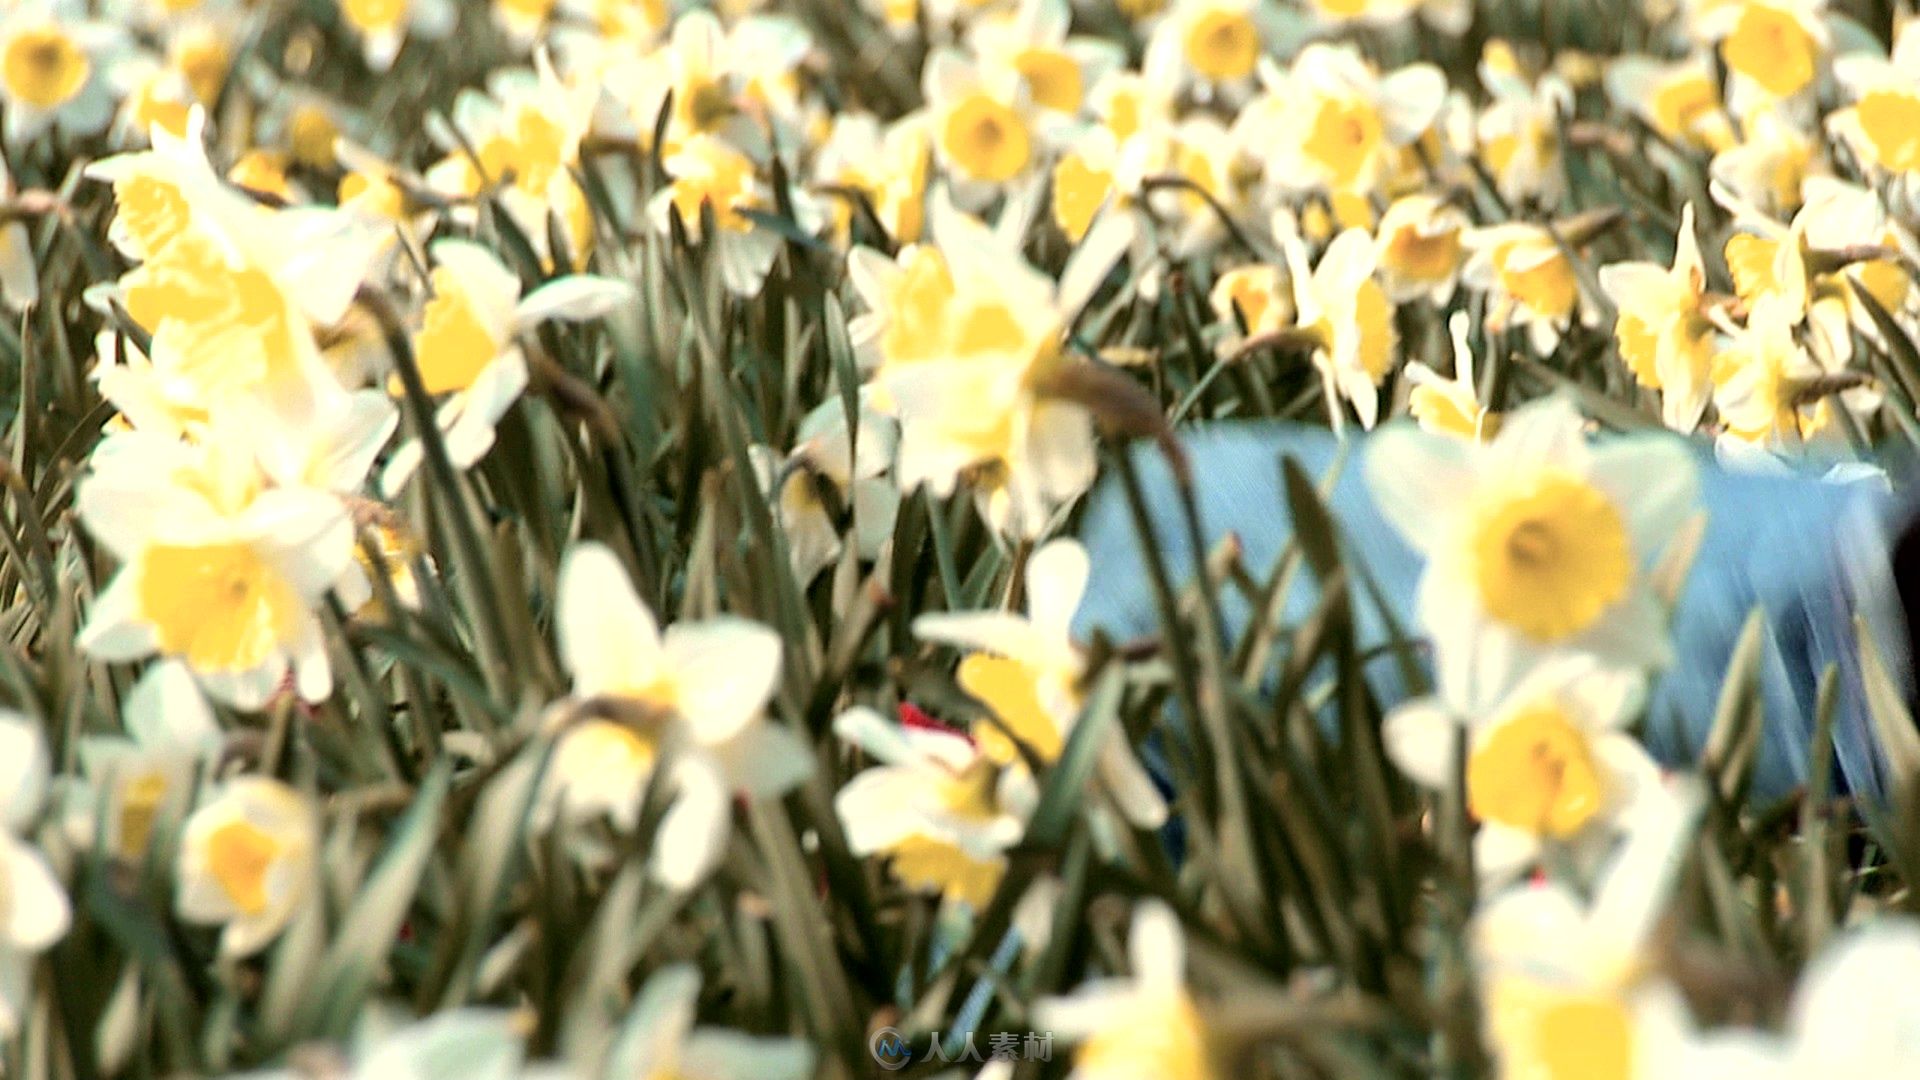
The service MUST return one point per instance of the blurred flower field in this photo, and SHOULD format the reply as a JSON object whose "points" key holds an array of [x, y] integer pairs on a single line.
{"points": [[543, 538]]}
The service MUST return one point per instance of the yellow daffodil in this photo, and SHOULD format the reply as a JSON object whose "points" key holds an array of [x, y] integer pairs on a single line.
{"points": [[966, 334], [1420, 248], [148, 772], [1143, 1025], [937, 807], [1883, 124], [219, 569], [854, 466], [1519, 131], [1679, 100], [1543, 543], [1258, 298], [248, 862], [1032, 40], [710, 173], [54, 67], [1344, 314], [1758, 378], [468, 350], [31, 897], [1770, 165], [983, 126], [1528, 280], [1451, 406], [1663, 331], [1552, 765], [520, 141], [888, 166], [1332, 124], [383, 26], [1213, 46], [692, 698], [1026, 670], [1565, 983], [1774, 50]]}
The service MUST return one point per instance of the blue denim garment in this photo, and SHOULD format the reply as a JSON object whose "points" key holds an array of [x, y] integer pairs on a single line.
{"points": [[1813, 554]]}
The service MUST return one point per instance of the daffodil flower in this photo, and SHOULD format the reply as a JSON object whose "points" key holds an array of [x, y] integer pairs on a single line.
{"points": [[1540, 544], [147, 772], [1566, 984], [709, 173], [967, 335], [35, 907], [1026, 669], [1854, 1013], [1883, 124], [54, 67], [1680, 99], [1450, 406], [1032, 40], [1344, 316], [1213, 46], [937, 807], [520, 142], [1519, 131], [1528, 281], [1551, 765], [692, 697], [736, 85], [1774, 50], [248, 862], [1758, 378], [218, 568], [383, 26], [1420, 249], [855, 466], [1330, 123], [984, 133], [1663, 331], [468, 347], [1146, 1024], [889, 166]]}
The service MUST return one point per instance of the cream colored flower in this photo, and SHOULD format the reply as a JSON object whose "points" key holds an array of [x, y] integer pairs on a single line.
{"points": [[1331, 123], [1663, 331], [1566, 985], [1528, 281], [383, 26], [1552, 765], [1026, 669], [984, 129], [1854, 1013], [1538, 544], [1214, 46], [1145, 1025], [966, 335], [54, 68], [855, 467], [248, 862], [1451, 406], [937, 807], [34, 913], [710, 175], [219, 569], [468, 350], [147, 773], [1420, 248], [692, 698], [1341, 308]]}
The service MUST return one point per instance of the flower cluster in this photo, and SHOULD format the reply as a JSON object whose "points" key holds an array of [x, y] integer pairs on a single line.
{"points": [[538, 535]]}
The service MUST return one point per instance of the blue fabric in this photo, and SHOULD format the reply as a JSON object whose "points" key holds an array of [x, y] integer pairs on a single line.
{"points": [[1789, 544]]}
